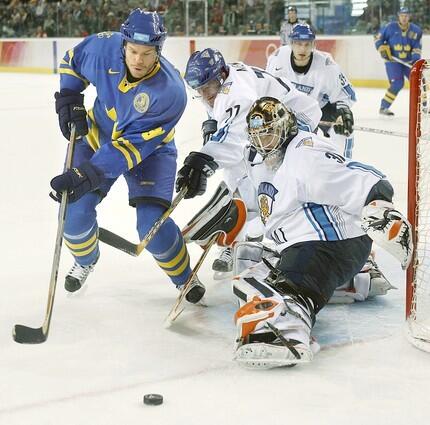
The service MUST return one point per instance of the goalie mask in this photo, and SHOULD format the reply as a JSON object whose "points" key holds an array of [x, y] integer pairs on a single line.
{"points": [[270, 125]]}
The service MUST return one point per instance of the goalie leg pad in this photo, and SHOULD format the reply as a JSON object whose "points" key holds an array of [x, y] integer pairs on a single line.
{"points": [[273, 329], [388, 228]]}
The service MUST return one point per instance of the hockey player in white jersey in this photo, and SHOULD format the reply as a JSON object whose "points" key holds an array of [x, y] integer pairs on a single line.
{"points": [[228, 91], [316, 73], [322, 211]]}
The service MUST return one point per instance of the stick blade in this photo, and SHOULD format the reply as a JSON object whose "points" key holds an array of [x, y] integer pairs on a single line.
{"points": [[118, 242], [26, 335]]}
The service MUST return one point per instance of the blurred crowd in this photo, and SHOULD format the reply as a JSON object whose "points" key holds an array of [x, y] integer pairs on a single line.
{"points": [[78, 18]]}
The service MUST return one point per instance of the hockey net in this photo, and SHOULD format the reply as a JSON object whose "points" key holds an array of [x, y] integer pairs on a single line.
{"points": [[418, 274]]}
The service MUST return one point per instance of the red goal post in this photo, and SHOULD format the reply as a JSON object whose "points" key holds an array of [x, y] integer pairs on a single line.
{"points": [[418, 273]]}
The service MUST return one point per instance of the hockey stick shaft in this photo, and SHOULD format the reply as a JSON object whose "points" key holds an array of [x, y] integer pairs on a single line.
{"points": [[24, 334], [400, 61], [130, 248], [369, 130], [176, 311]]}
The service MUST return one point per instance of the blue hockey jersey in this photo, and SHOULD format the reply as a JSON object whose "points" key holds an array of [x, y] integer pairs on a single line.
{"points": [[129, 120], [404, 44]]}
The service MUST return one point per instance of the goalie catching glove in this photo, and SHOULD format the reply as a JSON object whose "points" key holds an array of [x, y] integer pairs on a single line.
{"points": [[389, 229]]}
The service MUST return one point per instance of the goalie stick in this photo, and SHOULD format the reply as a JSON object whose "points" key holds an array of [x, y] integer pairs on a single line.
{"points": [[178, 307], [25, 334], [131, 248]]}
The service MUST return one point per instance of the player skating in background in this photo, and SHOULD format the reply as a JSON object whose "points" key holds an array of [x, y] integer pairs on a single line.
{"points": [[129, 131], [401, 40], [316, 74], [227, 92], [322, 211], [288, 25]]}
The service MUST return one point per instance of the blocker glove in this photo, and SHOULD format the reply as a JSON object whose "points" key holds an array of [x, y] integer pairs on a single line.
{"points": [[77, 181], [193, 175], [70, 108], [344, 123]]}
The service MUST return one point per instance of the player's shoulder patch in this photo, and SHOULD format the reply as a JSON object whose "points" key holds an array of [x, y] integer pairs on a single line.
{"points": [[225, 88], [141, 102], [329, 61], [305, 142]]}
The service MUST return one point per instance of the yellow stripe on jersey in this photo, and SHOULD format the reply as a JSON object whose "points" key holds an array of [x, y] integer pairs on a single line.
{"points": [[93, 137], [116, 144], [111, 113], [150, 134], [170, 136], [128, 145], [175, 261], [73, 74], [116, 134]]}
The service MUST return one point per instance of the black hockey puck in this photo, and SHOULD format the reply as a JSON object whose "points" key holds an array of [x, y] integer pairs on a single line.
{"points": [[153, 399]]}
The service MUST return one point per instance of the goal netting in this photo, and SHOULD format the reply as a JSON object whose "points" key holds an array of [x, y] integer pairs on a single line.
{"points": [[418, 275]]}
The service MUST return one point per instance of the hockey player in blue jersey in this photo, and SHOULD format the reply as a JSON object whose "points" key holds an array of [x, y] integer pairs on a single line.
{"points": [[129, 131], [401, 40]]}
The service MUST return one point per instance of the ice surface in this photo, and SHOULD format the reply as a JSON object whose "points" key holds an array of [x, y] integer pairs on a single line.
{"points": [[107, 346]]}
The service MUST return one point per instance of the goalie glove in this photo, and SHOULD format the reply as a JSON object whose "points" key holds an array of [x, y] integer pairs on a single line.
{"points": [[389, 229], [344, 123]]}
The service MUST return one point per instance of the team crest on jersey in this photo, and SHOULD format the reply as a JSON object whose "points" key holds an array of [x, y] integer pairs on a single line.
{"points": [[141, 102], [303, 88], [225, 88], [307, 141], [266, 197]]}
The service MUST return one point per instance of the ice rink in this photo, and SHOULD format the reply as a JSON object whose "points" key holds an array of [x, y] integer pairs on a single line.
{"points": [[107, 346]]}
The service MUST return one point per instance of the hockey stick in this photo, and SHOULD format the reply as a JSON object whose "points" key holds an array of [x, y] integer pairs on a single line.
{"points": [[369, 130], [131, 248], [178, 308], [400, 61], [24, 334]]}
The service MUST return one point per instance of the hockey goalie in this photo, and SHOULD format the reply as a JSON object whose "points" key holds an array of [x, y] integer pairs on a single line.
{"points": [[321, 212]]}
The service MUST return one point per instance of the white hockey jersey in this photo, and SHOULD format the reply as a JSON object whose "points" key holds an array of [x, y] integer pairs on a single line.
{"points": [[243, 86], [313, 194], [324, 81]]}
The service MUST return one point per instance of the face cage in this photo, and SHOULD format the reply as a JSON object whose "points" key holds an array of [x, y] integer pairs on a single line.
{"points": [[271, 145]]}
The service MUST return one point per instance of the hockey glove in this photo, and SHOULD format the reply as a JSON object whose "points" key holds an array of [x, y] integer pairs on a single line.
{"points": [[385, 52], [193, 175], [70, 108], [209, 127], [344, 123], [77, 181], [389, 229]]}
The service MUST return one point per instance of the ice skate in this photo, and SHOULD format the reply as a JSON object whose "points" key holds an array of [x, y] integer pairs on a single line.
{"points": [[379, 284], [77, 276], [195, 291], [223, 265], [386, 112]]}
